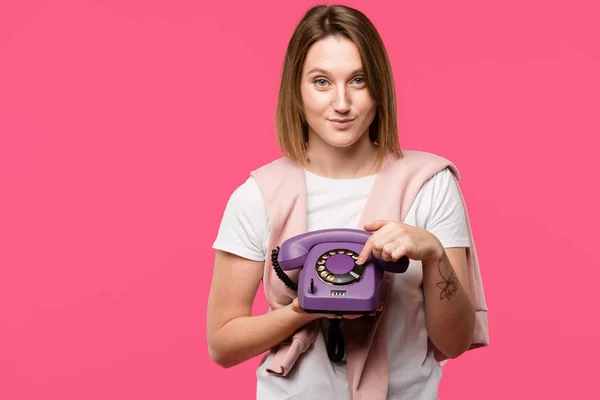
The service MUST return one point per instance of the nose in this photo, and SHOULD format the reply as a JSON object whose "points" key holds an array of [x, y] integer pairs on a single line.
{"points": [[341, 102]]}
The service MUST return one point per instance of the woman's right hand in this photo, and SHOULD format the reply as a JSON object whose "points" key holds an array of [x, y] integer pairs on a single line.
{"points": [[312, 316]]}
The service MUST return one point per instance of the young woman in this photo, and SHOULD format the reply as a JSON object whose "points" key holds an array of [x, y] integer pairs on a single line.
{"points": [[336, 117]]}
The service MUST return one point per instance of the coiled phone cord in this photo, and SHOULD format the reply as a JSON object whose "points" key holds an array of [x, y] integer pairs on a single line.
{"points": [[335, 340], [282, 275]]}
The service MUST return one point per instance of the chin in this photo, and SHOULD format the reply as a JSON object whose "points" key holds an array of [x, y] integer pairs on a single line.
{"points": [[338, 138], [342, 139], [341, 142]]}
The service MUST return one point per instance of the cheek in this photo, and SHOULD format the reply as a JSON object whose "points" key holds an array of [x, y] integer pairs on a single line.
{"points": [[366, 105], [315, 102]]}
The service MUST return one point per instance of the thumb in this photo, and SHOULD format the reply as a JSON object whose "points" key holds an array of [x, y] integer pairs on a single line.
{"points": [[375, 225], [296, 305]]}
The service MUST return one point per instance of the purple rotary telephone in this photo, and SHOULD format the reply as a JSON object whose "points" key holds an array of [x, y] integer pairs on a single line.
{"points": [[330, 280]]}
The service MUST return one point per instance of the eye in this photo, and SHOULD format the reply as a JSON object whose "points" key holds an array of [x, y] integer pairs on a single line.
{"points": [[320, 80], [360, 80]]}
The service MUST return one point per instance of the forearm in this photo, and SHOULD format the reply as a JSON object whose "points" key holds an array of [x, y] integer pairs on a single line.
{"points": [[245, 337], [449, 311]]}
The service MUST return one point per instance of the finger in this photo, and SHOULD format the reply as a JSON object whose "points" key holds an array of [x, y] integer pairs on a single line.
{"points": [[388, 239], [342, 316], [388, 249], [353, 316], [296, 306], [398, 252], [378, 310], [366, 250], [375, 225], [377, 244], [381, 227]]}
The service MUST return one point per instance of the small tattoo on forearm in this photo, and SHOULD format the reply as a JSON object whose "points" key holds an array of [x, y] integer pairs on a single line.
{"points": [[449, 285]]}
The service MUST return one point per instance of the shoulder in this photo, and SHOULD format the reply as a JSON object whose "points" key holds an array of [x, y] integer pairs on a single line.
{"points": [[423, 162], [246, 206], [247, 195], [438, 185], [278, 180], [443, 178], [439, 209], [273, 168]]}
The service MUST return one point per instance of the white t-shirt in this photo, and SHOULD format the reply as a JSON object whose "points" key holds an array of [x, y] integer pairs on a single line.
{"points": [[338, 203]]}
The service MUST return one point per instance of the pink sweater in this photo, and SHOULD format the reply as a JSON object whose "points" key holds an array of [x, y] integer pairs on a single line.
{"points": [[398, 182]]}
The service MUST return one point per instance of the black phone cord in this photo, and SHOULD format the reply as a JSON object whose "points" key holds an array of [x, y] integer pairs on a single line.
{"points": [[282, 275]]}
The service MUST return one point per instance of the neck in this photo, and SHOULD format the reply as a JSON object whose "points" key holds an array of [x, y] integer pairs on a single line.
{"points": [[350, 162]]}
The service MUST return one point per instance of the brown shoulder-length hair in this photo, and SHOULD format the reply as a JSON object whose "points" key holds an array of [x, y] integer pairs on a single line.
{"points": [[318, 23]]}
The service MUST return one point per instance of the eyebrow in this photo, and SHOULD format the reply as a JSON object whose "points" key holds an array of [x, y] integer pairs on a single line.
{"points": [[356, 71]]}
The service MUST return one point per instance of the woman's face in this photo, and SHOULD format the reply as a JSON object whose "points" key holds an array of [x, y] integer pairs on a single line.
{"points": [[337, 104]]}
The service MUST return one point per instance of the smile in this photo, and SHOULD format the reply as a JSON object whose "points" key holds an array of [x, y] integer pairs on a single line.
{"points": [[341, 124]]}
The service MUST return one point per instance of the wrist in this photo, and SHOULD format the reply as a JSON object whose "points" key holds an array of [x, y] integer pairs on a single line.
{"points": [[434, 261], [438, 254]]}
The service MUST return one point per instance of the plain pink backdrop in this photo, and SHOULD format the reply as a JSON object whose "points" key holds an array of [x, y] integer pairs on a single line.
{"points": [[125, 125]]}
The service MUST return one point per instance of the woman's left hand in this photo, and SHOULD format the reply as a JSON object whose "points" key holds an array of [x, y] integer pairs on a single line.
{"points": [[393, 240]]}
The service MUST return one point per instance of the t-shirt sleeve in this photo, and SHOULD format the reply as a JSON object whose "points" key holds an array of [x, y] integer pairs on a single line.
{"points": [[446, 218], [243, 227]]}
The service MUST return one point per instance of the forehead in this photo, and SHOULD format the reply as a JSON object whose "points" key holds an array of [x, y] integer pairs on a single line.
{"points": [[337, 55]]}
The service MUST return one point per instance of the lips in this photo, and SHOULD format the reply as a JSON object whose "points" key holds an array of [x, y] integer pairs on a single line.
{"points": [[341, 124], [341, 120]]}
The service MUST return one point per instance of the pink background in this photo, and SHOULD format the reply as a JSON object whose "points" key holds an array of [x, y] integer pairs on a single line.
{"points": [[125, 125]]}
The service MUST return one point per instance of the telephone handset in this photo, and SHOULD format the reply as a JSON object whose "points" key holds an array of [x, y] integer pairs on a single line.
{"points": [[330, 280]]}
